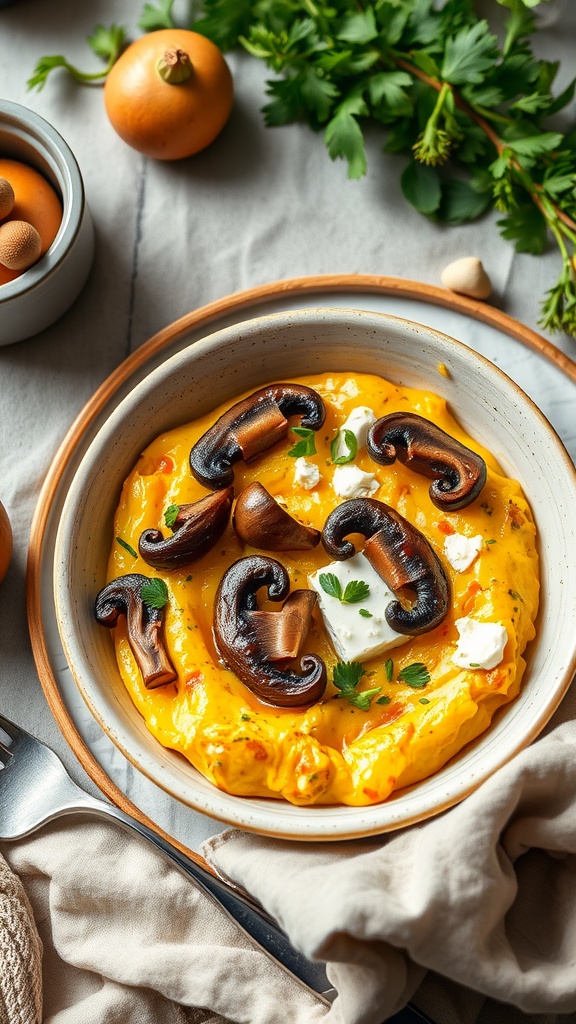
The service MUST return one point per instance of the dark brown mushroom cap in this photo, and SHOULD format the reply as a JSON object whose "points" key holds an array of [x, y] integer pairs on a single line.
{"points": [[144, 625], [250, 650], [261, 522], [459, 474], [399, 553], [251, 427], [197, 527]]}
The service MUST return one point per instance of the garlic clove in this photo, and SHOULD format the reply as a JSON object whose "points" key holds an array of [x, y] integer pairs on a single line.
{"points": [[20, 244], [7, 198], [467, 276]]}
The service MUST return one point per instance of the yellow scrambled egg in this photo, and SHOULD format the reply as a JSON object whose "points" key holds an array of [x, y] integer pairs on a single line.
{"points": [[331, 752]]}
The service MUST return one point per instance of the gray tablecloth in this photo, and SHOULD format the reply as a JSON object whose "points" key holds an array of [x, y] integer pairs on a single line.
{"points": [[259, 205]]}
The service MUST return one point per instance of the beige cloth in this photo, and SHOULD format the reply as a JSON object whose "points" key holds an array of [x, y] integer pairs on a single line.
{"points": [[484, 895]]}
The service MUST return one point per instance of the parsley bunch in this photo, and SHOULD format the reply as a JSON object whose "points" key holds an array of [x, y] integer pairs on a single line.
{"points": [[474, 116], [471, 114]]}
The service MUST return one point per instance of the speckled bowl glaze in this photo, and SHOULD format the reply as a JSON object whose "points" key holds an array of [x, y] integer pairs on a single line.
{"points": [[40, 295], [489, 406]]}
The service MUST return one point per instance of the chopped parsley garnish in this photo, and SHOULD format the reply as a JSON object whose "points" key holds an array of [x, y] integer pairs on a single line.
{"points": [[423, 700], [245, 718], [155, 593], [415, 675], [348, 438], [385, 699], [347, 675], [306, 446], [127, 547], [389, 669], [354, 591], [365, 613], [171, 515]]}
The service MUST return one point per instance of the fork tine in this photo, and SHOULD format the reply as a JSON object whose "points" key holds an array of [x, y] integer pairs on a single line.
{"points": [[9, 728]]}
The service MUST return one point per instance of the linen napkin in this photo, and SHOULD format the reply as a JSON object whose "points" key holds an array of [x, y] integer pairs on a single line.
{"points": [[483, 896]]}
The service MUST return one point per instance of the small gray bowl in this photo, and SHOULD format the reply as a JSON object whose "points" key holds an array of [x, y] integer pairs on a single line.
{"points": [[40, 295]]}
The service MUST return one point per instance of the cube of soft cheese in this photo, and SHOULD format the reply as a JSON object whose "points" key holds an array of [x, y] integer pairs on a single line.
{"points": [[354, 636], [350, 481]]}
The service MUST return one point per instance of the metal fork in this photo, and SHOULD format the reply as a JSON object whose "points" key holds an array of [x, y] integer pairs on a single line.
{"points": [[35, 788]]}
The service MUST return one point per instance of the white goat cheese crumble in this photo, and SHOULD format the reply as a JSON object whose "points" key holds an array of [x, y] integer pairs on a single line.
{"points": [[306, 474], [480, 644], [350, 481], [461, 551]]}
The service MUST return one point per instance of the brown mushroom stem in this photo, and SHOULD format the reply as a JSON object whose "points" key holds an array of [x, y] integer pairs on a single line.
{"points": [[261, 522], [251, 427], [459, 474], [144, 625], [399, 553], [197, 527], [249, 648]]}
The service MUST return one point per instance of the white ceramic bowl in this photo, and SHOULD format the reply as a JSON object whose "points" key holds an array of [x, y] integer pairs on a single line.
{"points": [[490, 407], [40, 295]]}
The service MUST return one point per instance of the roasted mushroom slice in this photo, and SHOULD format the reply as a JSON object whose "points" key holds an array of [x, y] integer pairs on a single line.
{"points": [[254, 643], [261, 522], [459, 474], [400, 554], [251, 427], [196, 527], [144, 624]]}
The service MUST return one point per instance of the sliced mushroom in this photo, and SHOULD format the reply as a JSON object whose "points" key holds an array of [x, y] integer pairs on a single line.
{"points": [[400, 554], [197, 527], [250, 640], [459, 474], [251, 427], [144, 624], [261, 522]]}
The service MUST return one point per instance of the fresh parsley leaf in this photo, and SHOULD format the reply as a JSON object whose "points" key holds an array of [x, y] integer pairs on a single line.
{"points": [[535, 145], [156, 16], [389, 669], [359, 28], [344, 137], [460, 202], [526, 227], [384, 699], [348, 439], [415, 675], [355, 591], [347, 675], [127, 547], [362, 700], [423, 700], [469, 54], [108, 43], [306, 446], [365, 613], [155, 593], [388, 95], [171, 515], [421, 187], [225, 21], [330, 584]]}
